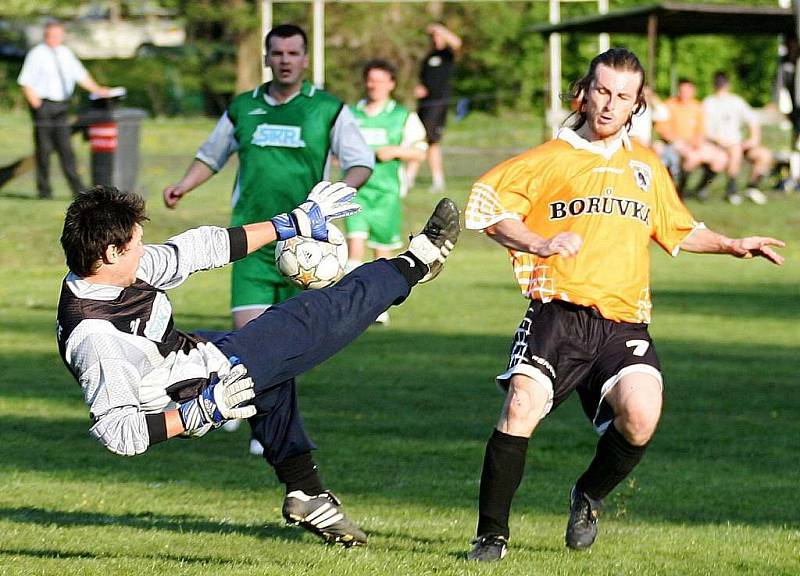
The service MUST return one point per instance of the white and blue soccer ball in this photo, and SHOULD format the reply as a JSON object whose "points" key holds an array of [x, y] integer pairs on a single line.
{"points": [[310, 263]]}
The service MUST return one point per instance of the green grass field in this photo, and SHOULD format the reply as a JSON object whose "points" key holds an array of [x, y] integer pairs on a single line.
{"points": [[402, 416]]}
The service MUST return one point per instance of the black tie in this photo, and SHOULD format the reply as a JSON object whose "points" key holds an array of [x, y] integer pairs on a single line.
{"points": [[61, 75]]}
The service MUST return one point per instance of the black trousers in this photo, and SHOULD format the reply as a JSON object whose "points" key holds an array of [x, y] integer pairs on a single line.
{"points": [[51, 131], [298, 334]]}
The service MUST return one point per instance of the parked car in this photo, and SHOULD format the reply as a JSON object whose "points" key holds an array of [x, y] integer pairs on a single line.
{"points": [[13, 45], [101, 31]]}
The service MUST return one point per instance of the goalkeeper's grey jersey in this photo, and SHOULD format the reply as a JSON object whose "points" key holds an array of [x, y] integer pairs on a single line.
{"points": [[121, 344]]}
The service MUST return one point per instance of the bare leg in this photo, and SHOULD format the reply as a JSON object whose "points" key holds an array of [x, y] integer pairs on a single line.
{"points": [[242, 317], [436, 163]]}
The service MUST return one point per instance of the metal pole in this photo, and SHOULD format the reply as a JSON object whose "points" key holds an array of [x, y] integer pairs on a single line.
{"points": [[554, 40], [603, 39], [673, 73], [319, 43], [266, 26], [652, 38]]}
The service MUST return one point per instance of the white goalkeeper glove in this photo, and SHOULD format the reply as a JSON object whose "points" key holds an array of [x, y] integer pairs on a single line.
{"points": [[325, 202], [220, 401]]}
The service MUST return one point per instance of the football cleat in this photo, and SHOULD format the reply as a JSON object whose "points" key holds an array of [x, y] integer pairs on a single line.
{"points": [[756, 195], [433, 245], [734, 198], [488, 548], [322, 515], [582, 524]]}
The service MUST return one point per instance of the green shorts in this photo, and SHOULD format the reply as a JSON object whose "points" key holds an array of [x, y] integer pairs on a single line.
{"points": [[256, 281], [379, 221]]}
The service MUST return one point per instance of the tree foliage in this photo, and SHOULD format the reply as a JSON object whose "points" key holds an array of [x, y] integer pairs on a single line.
{"points": [[502, 64]]}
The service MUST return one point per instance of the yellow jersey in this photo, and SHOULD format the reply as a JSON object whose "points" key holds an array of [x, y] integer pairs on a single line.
{"points": [[615, 198]]}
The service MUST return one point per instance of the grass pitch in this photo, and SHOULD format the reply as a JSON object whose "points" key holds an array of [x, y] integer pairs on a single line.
{"points": [[402, 416]]}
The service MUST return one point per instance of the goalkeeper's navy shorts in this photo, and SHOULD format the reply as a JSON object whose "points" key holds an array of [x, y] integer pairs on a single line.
{"points": [[300, 333], [566, 347]]}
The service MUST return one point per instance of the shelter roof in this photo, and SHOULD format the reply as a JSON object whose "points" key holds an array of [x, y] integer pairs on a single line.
{"points": [[682, 19]]}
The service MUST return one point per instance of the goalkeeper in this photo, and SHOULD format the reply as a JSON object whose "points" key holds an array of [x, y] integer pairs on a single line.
{"points": [[146, 381]]}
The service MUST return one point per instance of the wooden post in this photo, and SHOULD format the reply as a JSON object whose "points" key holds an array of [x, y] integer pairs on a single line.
{"points": [[652, 38], [266, 26], [673, 59]]}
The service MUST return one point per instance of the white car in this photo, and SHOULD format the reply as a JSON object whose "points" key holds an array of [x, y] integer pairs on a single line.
{"points": [[106, 34]]}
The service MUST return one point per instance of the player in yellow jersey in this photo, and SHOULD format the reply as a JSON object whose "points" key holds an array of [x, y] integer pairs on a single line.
{"points": [[577, 215]]}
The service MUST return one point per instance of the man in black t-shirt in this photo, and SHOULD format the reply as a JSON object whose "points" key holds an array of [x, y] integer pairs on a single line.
{"points": [[433, 93]]}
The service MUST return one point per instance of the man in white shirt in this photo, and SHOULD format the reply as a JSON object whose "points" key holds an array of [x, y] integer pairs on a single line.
{"points": [[48, 78], [726, 115]]}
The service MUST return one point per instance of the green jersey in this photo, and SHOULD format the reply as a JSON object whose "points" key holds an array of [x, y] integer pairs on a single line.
{"points": [[282, 150], [383, 129]]}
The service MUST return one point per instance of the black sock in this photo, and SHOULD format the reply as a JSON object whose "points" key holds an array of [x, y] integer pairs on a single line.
{"points": [[706, 178], [503, 466], [756, 181], [680, 185], [614, 460], [300, 473], [411, 267], [730, 190]]}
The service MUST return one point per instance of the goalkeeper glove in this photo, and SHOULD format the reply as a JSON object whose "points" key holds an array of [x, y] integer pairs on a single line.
{"points": [[220, 401], [325, 202]]}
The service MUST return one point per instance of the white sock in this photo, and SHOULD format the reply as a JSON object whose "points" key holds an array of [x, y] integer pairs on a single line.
{"points": [[351, 265]]}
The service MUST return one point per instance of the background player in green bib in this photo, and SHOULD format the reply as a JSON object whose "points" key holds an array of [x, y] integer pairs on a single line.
{"points": [[285, 133], [396, 135]]}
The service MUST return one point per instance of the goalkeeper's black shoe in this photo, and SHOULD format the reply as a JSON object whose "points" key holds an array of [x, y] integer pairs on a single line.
{"points": [[582, 524], [322, 515], [433, 245], [488, 548]]}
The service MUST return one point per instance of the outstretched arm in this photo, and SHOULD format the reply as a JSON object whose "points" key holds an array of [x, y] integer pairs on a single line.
{"points": [[514, 234], [90, 85], [197, 173], [705, 241], [210, 159]]}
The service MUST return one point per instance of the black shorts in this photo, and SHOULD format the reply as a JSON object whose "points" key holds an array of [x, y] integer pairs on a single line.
{"points": [[565, 347], [433, 115]]}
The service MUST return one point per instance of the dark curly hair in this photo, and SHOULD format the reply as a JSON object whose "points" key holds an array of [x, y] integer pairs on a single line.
{"points": [[98, 218]]}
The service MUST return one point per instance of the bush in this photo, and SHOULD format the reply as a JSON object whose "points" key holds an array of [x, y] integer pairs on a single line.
{"points": [[11, 97], [185, 81]]}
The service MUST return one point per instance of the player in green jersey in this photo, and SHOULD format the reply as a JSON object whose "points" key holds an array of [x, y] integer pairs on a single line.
{"points": [[285, 133], [397, 136]]}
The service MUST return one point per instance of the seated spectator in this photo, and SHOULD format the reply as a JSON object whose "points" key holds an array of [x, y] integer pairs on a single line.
{"points": [[641, 129], [786, 96], [684, 132], [726, 116]]}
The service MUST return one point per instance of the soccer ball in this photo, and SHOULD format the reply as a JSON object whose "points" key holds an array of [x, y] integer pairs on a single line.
{"points": [[310, 263]]}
